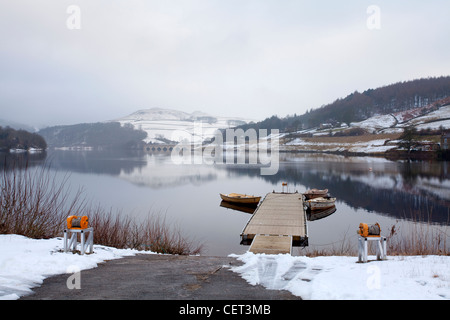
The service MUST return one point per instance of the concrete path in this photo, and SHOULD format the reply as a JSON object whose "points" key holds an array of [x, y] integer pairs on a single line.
{"points": [[159, 277]]}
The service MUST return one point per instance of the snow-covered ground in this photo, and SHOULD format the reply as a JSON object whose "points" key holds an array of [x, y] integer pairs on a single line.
{"points": [[387, 124], [25, 263], [342, 278], [373, 146], [376, 123], [395, 123], [176, 125]]}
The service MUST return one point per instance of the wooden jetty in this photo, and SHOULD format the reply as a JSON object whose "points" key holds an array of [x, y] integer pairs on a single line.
{"points": [[278, 223]]}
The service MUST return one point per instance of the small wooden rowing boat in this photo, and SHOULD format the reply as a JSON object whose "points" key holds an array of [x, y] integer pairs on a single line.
{"points": [[320, 203], [240, 198], [315, 193]]}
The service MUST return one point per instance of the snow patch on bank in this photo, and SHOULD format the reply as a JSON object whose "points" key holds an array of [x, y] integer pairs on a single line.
{"points": [[25, 262], [342, 278]]}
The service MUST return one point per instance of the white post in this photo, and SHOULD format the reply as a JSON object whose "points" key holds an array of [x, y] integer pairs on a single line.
{"points": [[360, 249], [365, 250], [379, 250], [65, 240], [91, 241], [73, 241], [82, 241]]}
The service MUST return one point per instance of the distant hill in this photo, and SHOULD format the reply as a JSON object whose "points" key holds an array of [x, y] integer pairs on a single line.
{"points": [[426, 95], [93, 135], [162, 125], [154, 125], [425, 119]]}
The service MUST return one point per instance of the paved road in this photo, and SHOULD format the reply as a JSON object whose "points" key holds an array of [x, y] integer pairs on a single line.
{"points": [[159, 277]]}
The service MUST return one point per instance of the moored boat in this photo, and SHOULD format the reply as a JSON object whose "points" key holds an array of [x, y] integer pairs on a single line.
{"points": [[240, 198], [315, 193], [320, 203]]}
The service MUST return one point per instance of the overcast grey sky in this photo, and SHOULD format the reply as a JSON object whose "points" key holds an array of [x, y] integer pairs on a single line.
{"points": [[247, 58]]}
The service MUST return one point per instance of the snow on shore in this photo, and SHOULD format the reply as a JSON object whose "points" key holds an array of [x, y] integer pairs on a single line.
{"points": [[342, 278], [25, 263]]}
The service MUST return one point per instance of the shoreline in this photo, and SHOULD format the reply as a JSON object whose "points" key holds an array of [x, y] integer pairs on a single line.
{"points": [[392, 155], [117, 274]]}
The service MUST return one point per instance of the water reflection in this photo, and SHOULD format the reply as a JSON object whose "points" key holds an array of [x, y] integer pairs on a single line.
{"points": [[248, 208], [21, 159], [320, 214], [403, 190], [110, 162], [367, 190]]}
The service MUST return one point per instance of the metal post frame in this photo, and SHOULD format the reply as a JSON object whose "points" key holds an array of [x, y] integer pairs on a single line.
{"points": [[86, 245], [362, 248]]}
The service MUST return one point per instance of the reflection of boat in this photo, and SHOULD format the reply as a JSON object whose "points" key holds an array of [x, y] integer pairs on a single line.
{"points": [[247, 208], [320, 203], [240, 198], [315, 193], [320, 214]]}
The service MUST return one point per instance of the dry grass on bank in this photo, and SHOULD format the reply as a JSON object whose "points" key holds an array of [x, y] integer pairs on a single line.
{"points": [[153, 234], [35, 202], [352, 139], [325, 143], [418, 238]]}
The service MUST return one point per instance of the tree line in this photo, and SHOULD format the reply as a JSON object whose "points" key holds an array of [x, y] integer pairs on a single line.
{"points": [[20, 139], [104, 135], [358, 106], [392, 98]]}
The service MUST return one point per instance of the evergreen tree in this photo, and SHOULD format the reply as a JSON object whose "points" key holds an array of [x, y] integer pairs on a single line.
{"points": [[408, 139]]}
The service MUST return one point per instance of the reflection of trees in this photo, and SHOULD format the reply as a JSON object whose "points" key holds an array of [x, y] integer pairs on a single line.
{"points": [[407, 195], [355, 185], [22, 159], [111, 162]]}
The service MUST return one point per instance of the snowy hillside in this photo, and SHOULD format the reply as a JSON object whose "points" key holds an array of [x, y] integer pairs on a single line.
{"points": [[380, 132], [163, 125], [421, 118]]}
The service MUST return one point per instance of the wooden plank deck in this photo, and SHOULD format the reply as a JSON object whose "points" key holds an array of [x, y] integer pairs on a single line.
{"points": [[271, 244], [279, 214]]}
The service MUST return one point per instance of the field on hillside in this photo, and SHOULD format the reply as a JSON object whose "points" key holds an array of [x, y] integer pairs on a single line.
{"points": [[352, 139], [370, 143]]}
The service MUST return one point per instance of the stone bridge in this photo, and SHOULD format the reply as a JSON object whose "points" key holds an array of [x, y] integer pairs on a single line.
{"points": [[159, 148]]}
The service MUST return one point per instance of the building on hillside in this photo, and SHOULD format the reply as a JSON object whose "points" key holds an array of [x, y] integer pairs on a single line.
{"points": [[426, 146], [326, 126], [445, 141]]}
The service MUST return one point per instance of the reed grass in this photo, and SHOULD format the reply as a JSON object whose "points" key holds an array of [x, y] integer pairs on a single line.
{"points": [[151, 234], [403, 239], [35, 202], [418, 239]]}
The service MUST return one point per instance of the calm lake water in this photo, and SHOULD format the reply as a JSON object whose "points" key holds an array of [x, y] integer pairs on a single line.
{"points": [[367, 190]]}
